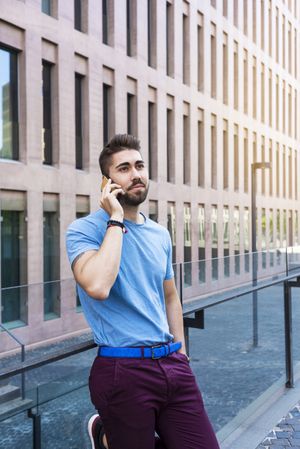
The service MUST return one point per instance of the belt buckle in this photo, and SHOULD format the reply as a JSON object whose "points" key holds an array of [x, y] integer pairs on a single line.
{"points": [[153, 357]]}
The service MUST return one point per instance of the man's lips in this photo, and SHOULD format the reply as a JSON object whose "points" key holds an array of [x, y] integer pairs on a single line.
{"points": [[137, 186]]}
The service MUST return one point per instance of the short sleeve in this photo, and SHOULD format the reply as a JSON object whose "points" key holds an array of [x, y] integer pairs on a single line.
{"points": [[169, 270], [82, 235]]}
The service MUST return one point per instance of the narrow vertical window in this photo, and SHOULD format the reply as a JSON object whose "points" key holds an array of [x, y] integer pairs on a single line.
{"points": [[47, 114], [226, 241], [270, 28], [107, 126], [236, 75], [262, 93], [271, 237], [295, 175], [278, 230], [236, 233], [264, 237], [214, 162], [246, 161], [213, 62], [254, 86], [284, 171], [225, 156], [290, 174], [254, 147], [172, 227], [283, 41], [46, 7], [271, 168], [277, 171], [51, 253], [290, 111], [283, 105], [107, 22], [277, 102], [151, 5], [78, 15], [187, 245], [152, 139], [236, 13], [201, 149], [245, 9], [153, 210], [263, 158], [186, 146], [170, 38], [290, 47], [277, 34], [170, 141], [262, 24], [296, 53], [296, 233], [296, 115], [201, 242], [9, 115], [225, 8], [254, 20], [246, 226], [200, 52], [225, 68], [13, 253], [131, 27], [284, 233], [245, 81], [186, 45], [78, 120], [214, 242], [131, 114], [236, 157], [270, 98]]}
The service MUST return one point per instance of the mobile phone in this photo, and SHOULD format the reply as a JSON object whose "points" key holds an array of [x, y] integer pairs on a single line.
{"points": [[104, 182]]}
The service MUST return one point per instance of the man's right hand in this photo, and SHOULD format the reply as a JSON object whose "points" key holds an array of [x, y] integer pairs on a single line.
{"points": [[109, 201]]}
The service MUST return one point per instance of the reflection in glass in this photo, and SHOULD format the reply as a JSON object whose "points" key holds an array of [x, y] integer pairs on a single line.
{"points": [[284, 242], [271, 238], [172, 228], [153, 210], [187, 245], [236, 233], [214, 241], [47, 114], [263, 237], [201, 242], [8, 105], [226, 236], [46, 7], [296, 227], [247, 239]]}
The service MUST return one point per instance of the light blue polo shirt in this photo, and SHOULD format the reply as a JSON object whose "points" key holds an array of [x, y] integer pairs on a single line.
{"points": [[134, 314]]}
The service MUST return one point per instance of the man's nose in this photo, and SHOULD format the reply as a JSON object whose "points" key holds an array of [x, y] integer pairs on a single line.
{"points": [[135, 173]]}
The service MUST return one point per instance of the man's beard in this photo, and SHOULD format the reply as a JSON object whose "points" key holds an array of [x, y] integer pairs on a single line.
{"points": [[133, 198]]}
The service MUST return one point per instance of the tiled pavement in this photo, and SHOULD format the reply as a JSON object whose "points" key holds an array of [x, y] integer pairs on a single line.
{"points": [[286, 434]]}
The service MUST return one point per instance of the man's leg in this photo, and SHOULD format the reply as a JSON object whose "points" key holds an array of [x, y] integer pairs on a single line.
{"points": [[183, 422]]}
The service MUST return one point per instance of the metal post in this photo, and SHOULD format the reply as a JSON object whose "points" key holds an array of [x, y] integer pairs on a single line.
{"points": [[36, 427], [288, 336], [254, 255]]}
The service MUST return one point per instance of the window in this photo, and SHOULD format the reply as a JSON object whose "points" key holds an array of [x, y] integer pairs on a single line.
{"points": [[170, 141], [79, 11], [278, 230], [214, 241], [47, 113], [78, 120], [186, 146], [201, 242], [131, 27], [170, 39], [283, 105], [277, 171], [245, 81], [151, 33], [290, 173], [262, 93], [153, 210], [187, 245], [107, 21], [108, 118], [186, 45], [225, 8], [270, 28], [296, 229], [246, 162], [131, 114], [226, 241], [51, 257], [271, 168], [264, 237], [270, 98], [263, 158], [290, 111], [277, 102], [262, 24], [245, 9], [172, 227], [225, 155], [213, 61], [254, 87], [200, 52], [13, 269], [9, 115], [246, 227], [236, 157], [236, 75], [201, 149], [214, 161], [283, 41], [254, 20], [295, 175], [225, 68], [271, 235], [236, 13], [284, 233], [152, 136], [284, 171], [236, 233], [46, 7], [290, 47], [277, 34]]}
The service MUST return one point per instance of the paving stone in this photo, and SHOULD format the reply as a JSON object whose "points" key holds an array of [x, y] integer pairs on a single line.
{"points": [[282, 434]]}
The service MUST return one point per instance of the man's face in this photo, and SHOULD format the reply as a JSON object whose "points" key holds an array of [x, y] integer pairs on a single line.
{"points": [[128, 169]]}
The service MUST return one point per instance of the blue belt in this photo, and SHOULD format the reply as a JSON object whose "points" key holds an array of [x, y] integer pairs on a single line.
{"points": [[149, 352]]}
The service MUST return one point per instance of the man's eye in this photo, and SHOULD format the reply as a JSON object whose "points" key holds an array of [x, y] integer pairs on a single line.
{"points": [[140, 166], [123, 169]]}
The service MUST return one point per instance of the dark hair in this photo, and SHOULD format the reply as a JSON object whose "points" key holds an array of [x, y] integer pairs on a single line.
{"points": [[119, 142]]}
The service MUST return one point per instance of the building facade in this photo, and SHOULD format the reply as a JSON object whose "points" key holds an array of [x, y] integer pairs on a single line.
{"points": [[209, 87]]}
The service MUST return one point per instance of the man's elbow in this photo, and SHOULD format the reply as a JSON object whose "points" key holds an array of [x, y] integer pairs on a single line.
{"points": [[98, 292]]}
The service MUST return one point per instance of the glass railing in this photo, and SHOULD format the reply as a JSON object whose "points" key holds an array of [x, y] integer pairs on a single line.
{"points": [[236, 362]]}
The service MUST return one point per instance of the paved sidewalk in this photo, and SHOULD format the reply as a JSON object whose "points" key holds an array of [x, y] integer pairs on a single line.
{"points": [[286, 434]]}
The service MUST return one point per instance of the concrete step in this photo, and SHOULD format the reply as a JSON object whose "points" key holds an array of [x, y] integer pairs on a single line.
{"points": [[8, 393], [14, 407]]}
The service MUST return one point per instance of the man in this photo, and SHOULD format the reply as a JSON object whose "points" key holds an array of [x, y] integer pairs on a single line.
{"points": [[140, 381]]}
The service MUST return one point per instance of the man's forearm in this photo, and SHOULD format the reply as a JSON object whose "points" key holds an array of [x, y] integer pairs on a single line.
{"points": [[175, 320]]}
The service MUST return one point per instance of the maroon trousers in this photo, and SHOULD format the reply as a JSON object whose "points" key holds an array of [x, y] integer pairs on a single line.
{"points": [[136, 397]]}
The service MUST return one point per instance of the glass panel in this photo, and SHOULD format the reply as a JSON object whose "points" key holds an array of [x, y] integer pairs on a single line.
{"points": [[77, 15], [214, 241], [47, 115], [172, 228], [201, 242], [226, 240], [46, 7], [78, 121], [187, 245], [8, 105], [246, 238]]}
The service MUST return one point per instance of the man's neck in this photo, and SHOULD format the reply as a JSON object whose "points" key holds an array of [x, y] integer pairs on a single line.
{"points": [[133, 214]]}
